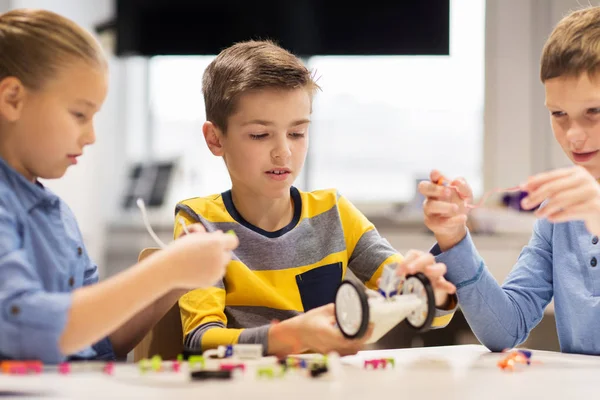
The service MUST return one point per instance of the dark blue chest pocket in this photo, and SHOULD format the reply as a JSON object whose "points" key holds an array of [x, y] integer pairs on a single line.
{"points": [[317, 287]]}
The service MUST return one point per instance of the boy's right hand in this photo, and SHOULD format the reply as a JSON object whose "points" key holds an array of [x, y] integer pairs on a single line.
{"points": [[199, 259], [445, 210], [314, 330]]}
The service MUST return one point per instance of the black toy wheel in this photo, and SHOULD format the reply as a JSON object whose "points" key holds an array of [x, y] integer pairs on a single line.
{"points": [[421, 318], [351, 310]]}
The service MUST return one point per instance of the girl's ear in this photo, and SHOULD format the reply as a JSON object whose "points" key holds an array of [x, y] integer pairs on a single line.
{"points": [[12, 98]]}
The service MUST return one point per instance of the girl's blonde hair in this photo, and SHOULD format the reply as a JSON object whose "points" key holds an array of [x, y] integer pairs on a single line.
{"points": [[34, 44]]}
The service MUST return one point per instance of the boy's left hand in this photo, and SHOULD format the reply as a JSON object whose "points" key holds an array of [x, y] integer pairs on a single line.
{"points": [[419, 261], [572, 194]]}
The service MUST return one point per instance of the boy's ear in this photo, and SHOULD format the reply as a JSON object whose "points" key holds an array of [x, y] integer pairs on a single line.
{"points": [[12, 97], [213, 137]]}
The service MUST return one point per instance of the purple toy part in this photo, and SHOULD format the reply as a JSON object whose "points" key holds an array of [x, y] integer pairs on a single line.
{"points": [[526, 353], [513, 201]]}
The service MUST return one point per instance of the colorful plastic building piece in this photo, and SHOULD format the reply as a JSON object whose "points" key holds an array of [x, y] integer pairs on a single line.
{"points": [[13, 367], [391, 361], [508, 363], [289, 362], [390, 282], [64, 368], [266, 371], [193, 360], [18, 369], [21, 367], [527, 355], [248, 351], [292, 362], [109, 368], [376, 363], [233, 366], [282, 362], [33, 366], [156, 363], [176, 365], [144, 365], [208, 374], [296, 362], [219, 352], [317, 370]]}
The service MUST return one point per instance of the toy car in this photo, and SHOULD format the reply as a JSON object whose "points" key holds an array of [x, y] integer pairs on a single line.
{"points": [[414, 301]]}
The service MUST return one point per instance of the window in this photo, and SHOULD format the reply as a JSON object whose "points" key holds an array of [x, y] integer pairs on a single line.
{"points": [[380, 123]]}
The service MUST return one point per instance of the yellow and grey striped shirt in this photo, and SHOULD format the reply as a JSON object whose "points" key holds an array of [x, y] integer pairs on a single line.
{"points": [[278, 275]]}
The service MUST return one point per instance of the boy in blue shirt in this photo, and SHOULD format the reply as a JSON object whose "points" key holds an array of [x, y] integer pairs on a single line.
{"points": [[561, 259]]}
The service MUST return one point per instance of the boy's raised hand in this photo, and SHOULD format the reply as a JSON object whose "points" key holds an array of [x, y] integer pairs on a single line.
{"points": [[571, 193], [419, 261], [444, 209]]}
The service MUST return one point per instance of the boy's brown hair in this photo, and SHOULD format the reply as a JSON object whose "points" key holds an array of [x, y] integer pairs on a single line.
{"points": [[248, 66], [35, 43], [573, 47]]}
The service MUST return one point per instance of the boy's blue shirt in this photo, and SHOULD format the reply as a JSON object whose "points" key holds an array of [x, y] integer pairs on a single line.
{"points": [[42, 260], [561, 261]]}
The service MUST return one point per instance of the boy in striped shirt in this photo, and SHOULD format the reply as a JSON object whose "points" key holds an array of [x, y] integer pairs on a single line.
{"points": [[295, 247]]}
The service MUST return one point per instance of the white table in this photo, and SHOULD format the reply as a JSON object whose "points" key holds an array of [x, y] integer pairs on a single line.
{"points": [[453, 372]]}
